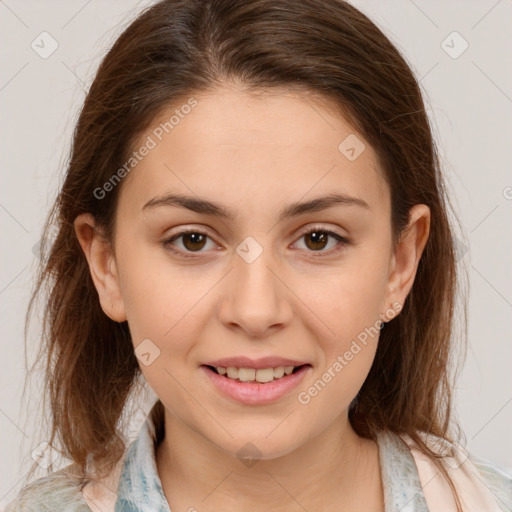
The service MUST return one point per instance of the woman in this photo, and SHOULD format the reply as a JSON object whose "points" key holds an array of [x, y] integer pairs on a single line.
{"points": [[254, 220]]}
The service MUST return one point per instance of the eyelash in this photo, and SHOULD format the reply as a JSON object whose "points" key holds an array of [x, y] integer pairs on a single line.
{"points": [[190, 254]]}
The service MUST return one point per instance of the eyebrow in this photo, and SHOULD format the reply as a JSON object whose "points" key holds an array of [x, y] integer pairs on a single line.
{"points": [[206, 207]]}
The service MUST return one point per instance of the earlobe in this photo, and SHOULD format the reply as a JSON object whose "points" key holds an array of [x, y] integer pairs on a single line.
{"points": [[102, 266], [408, 253]]}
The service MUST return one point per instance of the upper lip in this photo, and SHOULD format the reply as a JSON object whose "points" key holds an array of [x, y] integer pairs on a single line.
{"points": [[247, 362]]}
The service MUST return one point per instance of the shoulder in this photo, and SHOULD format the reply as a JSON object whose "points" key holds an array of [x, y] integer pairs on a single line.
{"points": [[498, 478], [477, 479], [56, 491]]}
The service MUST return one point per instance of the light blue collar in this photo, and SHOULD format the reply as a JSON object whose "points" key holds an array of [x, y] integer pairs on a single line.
{"points": [[139, 487], [400, 478]]}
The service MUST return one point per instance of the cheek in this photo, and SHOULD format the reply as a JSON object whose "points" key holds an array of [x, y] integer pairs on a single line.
{"points": [[152, 289], [347, 332], [349, 328], [164, 310], [165, 303], [347, 300]]}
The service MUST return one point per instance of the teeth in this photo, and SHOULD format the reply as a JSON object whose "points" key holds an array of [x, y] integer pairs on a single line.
{"points": [[288, 370], [251, 374]]}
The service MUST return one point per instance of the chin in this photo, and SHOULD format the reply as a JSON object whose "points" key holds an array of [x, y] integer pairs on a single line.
{"points": [[249, 449]]}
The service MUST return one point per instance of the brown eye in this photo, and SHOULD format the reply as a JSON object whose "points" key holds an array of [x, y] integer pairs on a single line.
{"points": [[316, 240], [194, 241]]}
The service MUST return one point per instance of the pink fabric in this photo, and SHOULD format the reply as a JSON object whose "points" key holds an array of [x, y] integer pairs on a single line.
{"points": [[474, 495], [101, 495]]}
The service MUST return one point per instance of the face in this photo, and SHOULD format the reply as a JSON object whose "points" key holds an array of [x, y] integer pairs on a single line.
{"points": [[306, 284]]}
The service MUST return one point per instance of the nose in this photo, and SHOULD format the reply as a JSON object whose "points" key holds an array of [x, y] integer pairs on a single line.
{"points": [[255, 298]]}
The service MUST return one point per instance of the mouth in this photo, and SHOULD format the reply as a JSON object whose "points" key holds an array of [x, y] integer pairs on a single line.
{"points": [[255, 375], [255, 387]]}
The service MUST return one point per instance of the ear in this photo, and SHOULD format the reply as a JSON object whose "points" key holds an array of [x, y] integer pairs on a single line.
{"points": [[406, 256], [102, 265]]}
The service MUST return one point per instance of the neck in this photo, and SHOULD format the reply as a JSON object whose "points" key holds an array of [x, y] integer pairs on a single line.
{"points": [[333, 468]]}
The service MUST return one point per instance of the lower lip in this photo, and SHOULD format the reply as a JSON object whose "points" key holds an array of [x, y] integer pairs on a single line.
{"points": [[256, 393]]}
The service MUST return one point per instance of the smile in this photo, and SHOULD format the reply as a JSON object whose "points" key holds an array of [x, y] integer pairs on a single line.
{"points": [[255, 386], [261, 375]]}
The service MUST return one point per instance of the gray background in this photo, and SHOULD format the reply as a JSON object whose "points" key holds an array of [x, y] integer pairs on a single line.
{"points": [[469, 101]]}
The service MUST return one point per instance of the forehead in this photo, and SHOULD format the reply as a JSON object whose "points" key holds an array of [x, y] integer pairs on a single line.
{"points": [[256, 149]]}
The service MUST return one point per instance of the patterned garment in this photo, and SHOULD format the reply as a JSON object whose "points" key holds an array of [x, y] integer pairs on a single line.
{"points": [[140, 489]]}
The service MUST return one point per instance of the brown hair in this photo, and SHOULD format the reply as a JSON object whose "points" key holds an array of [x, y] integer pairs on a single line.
{"points": [[177, 48]]}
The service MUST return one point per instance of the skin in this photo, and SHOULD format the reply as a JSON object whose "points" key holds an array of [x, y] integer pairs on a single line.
{"points": [[255, 154]]}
